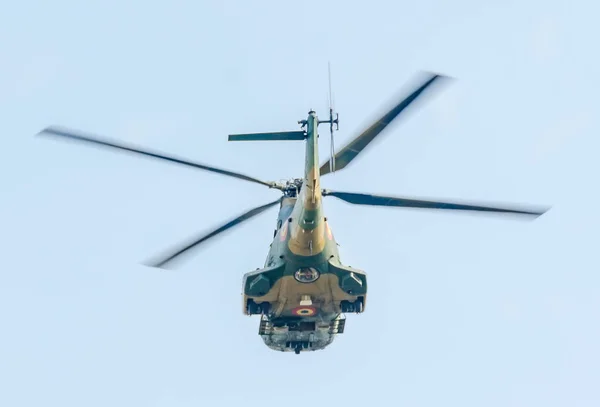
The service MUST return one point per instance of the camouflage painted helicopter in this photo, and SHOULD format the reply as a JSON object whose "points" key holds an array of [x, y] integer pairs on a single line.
{"points": [[303, 291]]}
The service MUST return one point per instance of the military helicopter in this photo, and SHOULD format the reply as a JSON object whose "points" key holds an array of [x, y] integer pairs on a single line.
{"points": [[303, 291]]}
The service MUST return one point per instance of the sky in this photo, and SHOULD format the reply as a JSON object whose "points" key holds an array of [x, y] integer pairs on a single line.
{"points": [[462, 310]]}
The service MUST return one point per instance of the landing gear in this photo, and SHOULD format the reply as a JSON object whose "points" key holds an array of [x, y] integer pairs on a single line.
{"points": [[356, 306], [298, 346], [257, 309]]}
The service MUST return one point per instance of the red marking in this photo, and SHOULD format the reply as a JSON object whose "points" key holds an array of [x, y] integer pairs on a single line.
{"points": [[283, 233], [304, 311]]}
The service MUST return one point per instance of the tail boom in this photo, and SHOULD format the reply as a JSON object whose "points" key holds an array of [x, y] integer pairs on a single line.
{"points": [[307, 237]]}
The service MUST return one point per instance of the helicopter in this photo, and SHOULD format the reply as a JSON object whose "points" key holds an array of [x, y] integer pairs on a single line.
{"points": [[303, 291]]}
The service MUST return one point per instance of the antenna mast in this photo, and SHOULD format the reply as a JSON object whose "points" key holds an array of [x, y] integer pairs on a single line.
{"points": [[331, 121]]}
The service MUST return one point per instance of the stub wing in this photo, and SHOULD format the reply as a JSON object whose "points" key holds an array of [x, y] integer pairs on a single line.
{"points": [[277, 136]]}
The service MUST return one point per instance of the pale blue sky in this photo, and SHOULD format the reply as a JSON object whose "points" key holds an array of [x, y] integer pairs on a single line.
{"points": [[463, 310]]}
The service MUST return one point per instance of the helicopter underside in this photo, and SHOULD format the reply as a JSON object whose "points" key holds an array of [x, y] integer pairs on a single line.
{"points": [[303, 311], [300, 335]]}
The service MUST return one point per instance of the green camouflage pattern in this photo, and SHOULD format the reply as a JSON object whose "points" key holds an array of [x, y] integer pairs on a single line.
{"points": [[303, 240]]}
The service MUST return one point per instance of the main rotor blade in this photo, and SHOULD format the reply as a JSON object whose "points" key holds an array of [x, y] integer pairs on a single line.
{"points": [[375, 200], [358, 144], [75, 135], [198, 240]]}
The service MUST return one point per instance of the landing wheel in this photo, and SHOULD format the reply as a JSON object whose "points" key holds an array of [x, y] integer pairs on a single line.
{"points": [[347, 306], [297, 350], [257, 309], [356, 306], [250, 307], [264, 308]]}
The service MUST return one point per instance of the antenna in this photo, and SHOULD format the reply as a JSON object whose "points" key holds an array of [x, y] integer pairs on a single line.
{"points": [[331, 122]]}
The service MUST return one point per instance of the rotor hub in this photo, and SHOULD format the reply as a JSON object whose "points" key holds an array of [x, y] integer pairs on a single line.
{"points": [[292, 187]]}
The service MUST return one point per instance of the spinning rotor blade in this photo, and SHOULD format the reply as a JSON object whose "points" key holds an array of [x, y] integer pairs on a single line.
{"points": [[197, 241], [351, 150], [105, 143], [375, 200]]}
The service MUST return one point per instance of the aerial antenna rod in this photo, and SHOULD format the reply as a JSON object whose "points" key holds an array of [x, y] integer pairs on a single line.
{"points": [[331, 122], [332, 148]]}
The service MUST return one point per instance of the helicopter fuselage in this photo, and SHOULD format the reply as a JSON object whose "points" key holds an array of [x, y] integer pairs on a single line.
{"points": [[303, 290]]}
